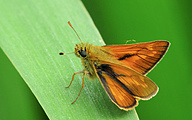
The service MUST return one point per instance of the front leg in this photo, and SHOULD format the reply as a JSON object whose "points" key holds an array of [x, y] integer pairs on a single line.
{"points": [[84, 72]]}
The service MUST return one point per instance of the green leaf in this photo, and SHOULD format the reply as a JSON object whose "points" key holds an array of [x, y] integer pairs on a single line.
{"points": [[32, 34]]}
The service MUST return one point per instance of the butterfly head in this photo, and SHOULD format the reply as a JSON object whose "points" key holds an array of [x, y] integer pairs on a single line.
{"points": [[82, 50]]}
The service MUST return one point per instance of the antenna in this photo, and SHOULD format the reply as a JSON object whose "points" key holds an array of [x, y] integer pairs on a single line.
{"points": [[74, 31], [61, 53]]}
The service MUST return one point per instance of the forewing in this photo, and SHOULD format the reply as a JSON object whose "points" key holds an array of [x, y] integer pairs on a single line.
{"points": [[141, 57], [117, 93], [125, 86]]}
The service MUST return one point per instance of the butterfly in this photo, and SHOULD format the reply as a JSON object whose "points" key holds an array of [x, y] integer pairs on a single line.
{"points": [[121, 69]]}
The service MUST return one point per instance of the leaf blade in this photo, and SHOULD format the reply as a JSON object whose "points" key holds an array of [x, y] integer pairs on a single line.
{"points": [[33, 34]]}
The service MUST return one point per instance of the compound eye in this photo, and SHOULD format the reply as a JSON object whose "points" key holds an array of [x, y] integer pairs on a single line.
{"points": [[83, 53]]}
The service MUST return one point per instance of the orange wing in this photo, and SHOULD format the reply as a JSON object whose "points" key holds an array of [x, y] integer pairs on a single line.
{"points": [[141, 57], [125, 86]]}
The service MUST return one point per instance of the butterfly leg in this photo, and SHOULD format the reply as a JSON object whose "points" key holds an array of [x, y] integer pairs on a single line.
{"points": [[81, 87], [82, 71], [130, 41]]}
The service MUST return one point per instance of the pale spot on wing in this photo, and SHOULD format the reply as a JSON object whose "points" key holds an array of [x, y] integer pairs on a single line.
{"points": [[137, 81], [154, 52]]}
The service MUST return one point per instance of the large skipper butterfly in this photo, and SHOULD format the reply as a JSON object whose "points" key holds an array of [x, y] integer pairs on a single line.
{"points": [[121, 69]]}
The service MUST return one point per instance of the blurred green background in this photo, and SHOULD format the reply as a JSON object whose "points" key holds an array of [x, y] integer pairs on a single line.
{"points": [[118, 22]]}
